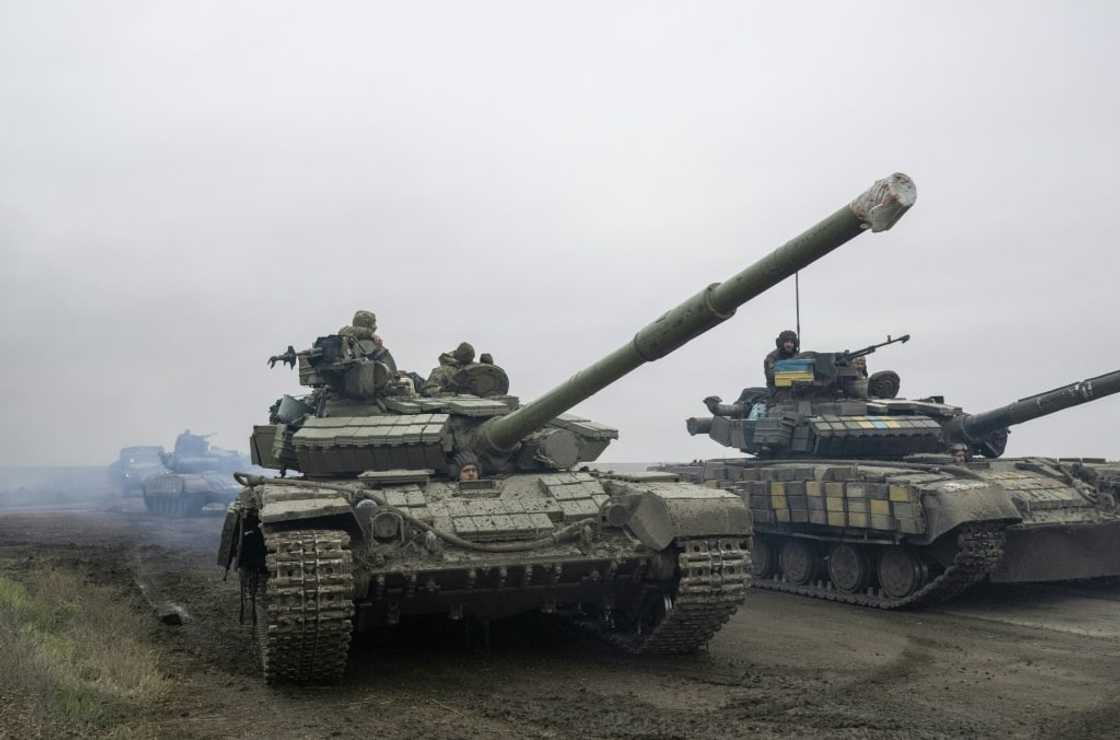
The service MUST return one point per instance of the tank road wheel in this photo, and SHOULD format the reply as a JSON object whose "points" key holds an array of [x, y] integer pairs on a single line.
{"points": [[763, 558], [848, 568], [304, 606], [798, 562], [901, 573]]}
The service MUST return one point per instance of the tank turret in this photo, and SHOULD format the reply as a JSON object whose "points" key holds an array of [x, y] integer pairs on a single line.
{"points": [[459, 500], [819, 408]]}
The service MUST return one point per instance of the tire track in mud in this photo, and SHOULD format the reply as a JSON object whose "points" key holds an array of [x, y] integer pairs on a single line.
{"points": [[781, 667]]}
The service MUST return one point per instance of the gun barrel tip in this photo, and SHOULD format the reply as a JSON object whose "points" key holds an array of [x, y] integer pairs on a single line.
{"points": [[884, 203]]}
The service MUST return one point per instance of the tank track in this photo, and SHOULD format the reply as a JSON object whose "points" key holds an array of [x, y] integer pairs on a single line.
{"points": [[304, 607], [979, 549], [715, 575]]}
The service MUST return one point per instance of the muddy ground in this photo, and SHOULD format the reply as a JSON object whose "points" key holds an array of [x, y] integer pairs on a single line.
{"points": [[1018, 662]]}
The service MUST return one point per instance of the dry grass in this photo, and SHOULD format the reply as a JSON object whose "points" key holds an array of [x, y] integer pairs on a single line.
{"points": [[70, 658]]}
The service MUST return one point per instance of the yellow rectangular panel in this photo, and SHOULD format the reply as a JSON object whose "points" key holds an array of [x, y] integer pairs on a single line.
{"points": [[901, 494], [880, 507]]}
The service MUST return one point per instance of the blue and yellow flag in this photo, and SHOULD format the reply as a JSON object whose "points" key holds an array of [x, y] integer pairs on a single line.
{"points": [[788, 372]]}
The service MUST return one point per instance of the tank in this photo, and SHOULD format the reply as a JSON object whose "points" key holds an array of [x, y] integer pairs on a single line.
{"points": [[195, 478], [866, 498], [468, 504], [133, 466]]}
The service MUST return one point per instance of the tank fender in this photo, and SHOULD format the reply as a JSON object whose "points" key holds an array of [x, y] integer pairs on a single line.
{"points": [[946, 510], [328, 506], [660, 514]]}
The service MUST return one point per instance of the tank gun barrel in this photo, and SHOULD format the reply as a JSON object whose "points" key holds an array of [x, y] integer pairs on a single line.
{"points": [[877, 209], [974, 427]]}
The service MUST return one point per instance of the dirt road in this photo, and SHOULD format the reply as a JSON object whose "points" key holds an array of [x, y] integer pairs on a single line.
{"points": [[1020, 662]]}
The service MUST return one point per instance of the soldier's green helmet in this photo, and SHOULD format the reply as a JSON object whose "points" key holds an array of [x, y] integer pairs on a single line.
{"points": [[366, 319], [789, 335]]}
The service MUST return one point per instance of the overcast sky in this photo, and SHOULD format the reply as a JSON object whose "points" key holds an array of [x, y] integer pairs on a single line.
{"points": [[187, 188]]}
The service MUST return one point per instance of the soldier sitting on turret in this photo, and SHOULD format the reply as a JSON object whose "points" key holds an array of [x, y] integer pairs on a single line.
{"points": [[363, 329], [439, 381], [787, 347]]}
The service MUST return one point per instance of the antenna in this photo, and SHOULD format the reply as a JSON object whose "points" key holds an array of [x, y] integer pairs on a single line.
{"points": [[797, 301]]}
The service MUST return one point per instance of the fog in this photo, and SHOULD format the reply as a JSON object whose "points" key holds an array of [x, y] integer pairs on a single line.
{"points": [[187, 188]]}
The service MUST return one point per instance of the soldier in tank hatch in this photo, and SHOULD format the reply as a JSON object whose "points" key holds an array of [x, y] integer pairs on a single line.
{"points": [[787, 347], [959, 451], [465, 466]]}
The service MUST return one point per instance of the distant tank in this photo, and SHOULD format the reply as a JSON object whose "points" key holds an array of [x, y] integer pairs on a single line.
{"points": [[196, 477], [468, 504], [857, 498], [133, 466]]}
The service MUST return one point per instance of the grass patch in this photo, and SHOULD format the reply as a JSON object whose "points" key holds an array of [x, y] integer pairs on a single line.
{"points": [[70, 658]]}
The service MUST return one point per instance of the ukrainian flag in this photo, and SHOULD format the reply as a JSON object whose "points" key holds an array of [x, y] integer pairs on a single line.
{"points": [[788, 372]]}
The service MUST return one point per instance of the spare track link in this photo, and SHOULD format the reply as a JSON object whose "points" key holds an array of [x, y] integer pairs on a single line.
{"points": [[306, 605], [715, 574], [979, 549]]}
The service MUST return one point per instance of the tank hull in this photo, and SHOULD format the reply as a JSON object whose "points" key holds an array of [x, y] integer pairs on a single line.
{"points": [[646, 562], [891, 534]]}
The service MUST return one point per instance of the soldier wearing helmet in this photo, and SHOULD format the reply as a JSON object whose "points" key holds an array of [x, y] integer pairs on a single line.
{"points": [[787, 345], [439, 380], [959, 451], [465, 466], [363, 329]]}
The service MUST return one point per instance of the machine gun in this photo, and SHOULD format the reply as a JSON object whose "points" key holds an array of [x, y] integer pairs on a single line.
{"points": [[287, 358], [849, 355]]}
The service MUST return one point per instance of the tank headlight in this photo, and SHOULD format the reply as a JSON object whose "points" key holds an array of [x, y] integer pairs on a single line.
{"points": [[385, 525]]}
